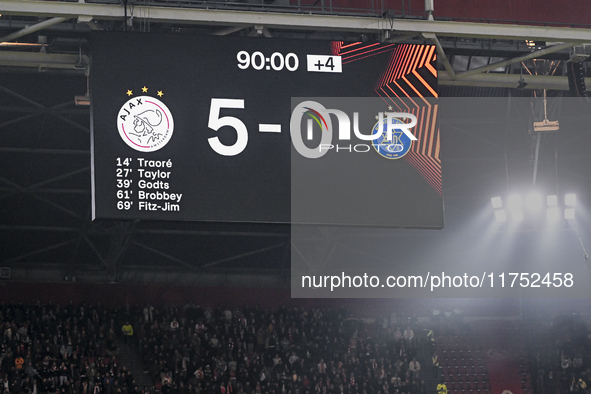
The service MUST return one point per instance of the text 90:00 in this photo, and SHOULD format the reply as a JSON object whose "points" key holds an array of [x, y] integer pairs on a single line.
{"points": [[276, 62]]}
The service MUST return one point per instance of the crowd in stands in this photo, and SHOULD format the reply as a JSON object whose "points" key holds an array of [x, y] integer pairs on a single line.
{"points": [[47, 348], [194, 350], [71, 349], [561, 356]]}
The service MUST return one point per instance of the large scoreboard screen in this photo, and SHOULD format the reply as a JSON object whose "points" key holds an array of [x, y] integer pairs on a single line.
{"points": [[236, 129]]}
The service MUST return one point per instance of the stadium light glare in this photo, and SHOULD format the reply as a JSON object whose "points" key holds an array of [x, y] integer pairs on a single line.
{"points": [[516, 208], [533, 201], [497, 202], [514, 203], [500, 215], [553, 214], [517, 215]]}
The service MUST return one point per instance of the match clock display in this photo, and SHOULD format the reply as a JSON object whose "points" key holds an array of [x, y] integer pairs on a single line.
{"points": [[232, 129]]}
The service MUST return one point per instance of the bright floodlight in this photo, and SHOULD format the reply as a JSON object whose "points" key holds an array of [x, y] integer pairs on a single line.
{"points": [[497, 202], [517, 215], [570, 200], [569, 213], [514, 202], [552, 200], [533, 202], [553, 214], [500, 215]]}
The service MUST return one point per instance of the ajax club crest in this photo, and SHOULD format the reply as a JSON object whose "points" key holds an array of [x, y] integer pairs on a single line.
{"points": [[145, 123]]}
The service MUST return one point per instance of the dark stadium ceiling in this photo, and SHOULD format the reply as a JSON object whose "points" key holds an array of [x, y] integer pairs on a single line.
{"points": [[52, 34], [45, 224]]}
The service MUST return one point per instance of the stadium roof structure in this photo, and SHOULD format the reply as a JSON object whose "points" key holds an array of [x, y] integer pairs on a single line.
{"points": [[45, 219]]}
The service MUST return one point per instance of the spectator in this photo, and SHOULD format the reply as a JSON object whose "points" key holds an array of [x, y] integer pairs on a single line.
{"points": [[441, 388], [127, 330], [414, 366], [148, 313], [18, 363], [435, 363], [409, 336]]}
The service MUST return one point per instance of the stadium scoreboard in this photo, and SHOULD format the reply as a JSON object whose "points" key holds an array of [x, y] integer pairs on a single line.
{"points": [[235, 129]]}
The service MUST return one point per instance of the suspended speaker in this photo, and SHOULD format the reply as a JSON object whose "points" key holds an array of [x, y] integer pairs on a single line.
{"points": [[576, 79]]}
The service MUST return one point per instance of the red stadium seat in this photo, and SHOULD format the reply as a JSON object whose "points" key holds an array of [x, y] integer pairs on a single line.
{"points": [[527, 385]]}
